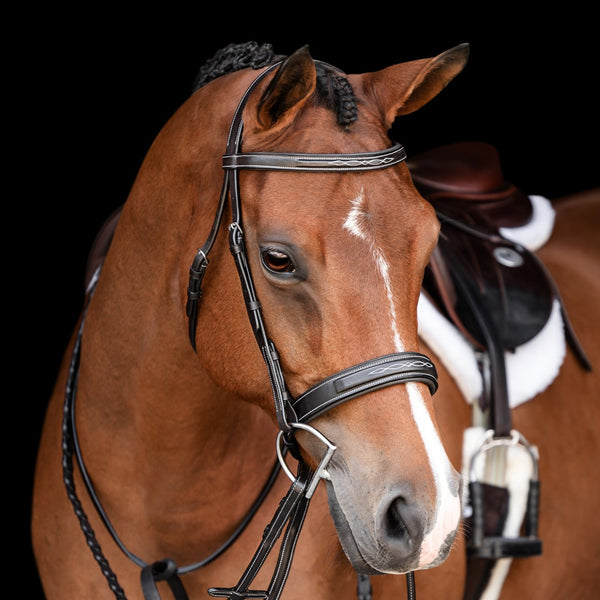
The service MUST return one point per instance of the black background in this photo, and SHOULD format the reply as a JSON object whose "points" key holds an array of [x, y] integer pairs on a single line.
{"points": [[90, 90]]}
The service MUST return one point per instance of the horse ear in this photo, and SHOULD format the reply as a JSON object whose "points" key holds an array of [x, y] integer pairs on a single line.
{"points": [[291, 85], [404, 88]]}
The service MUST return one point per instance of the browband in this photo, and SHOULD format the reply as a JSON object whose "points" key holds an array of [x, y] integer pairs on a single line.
{"points": [[360, 161], [363, 378]]}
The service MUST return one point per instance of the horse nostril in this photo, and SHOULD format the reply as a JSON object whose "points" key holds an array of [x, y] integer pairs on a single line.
{"points": [[394, 523], [402, 524]]}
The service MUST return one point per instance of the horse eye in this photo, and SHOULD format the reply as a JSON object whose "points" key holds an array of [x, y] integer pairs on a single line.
{"points": [[277, 261]]}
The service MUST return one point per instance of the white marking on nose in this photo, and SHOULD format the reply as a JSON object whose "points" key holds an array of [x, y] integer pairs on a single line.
{"points": [[447, 508], [447, 505], [354, 224]]}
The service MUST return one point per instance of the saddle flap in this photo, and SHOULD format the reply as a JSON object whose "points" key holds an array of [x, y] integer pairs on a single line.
{"points": [[507, 281]]}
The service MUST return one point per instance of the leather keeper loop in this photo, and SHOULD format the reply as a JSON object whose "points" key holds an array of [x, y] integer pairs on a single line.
{"points": [[197, 275], [163, 569], [194, 295]]}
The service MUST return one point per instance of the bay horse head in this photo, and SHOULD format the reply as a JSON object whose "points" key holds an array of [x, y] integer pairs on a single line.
{"points": [[336, 259]]}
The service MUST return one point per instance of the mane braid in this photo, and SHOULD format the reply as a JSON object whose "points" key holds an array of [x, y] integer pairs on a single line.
{"points": [[333, 88], [337, 93], [235, 57]]}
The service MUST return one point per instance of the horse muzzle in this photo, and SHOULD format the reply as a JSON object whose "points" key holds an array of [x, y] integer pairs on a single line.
{"points": [[392, 532]]}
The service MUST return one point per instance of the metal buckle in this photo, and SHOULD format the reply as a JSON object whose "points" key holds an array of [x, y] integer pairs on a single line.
{"points": [[321, 472]]}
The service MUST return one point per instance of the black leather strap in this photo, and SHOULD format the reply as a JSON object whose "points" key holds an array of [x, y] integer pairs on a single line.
{"points": [[361, 379], [292, 510], [198, 268], [500, 408], [163, 570], [361, 161]]}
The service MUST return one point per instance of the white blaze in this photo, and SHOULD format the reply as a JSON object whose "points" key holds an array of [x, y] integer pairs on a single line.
{"points": [[447, 501], [353, 225], [447, 504]]}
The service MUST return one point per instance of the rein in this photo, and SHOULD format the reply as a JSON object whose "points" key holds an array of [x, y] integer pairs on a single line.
{"points": [[292, 414], [165, 569]]}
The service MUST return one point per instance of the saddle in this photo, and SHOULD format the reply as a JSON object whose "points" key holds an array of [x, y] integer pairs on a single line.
{"points": [[473, 263], [494, 290]]}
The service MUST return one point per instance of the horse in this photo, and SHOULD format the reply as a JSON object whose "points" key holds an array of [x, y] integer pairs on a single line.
{"points": [[178, 410]]}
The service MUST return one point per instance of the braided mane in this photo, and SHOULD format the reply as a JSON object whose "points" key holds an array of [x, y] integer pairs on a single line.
{"points": [[333, 88]]}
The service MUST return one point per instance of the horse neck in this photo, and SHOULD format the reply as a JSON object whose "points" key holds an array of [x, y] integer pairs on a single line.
{"points": [[147, 412], [149, 415]]}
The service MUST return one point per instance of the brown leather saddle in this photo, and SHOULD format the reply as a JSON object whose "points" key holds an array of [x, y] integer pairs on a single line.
{"points": [[466, 186], [496, 292], [499, 295]]}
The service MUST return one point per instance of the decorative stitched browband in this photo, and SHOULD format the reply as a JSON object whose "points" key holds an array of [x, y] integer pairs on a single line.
{"points": [[361, 161]]}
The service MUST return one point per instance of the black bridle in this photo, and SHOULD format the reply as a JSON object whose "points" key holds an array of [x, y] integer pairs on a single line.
{"points": [[292, 413], [365, 377]]}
